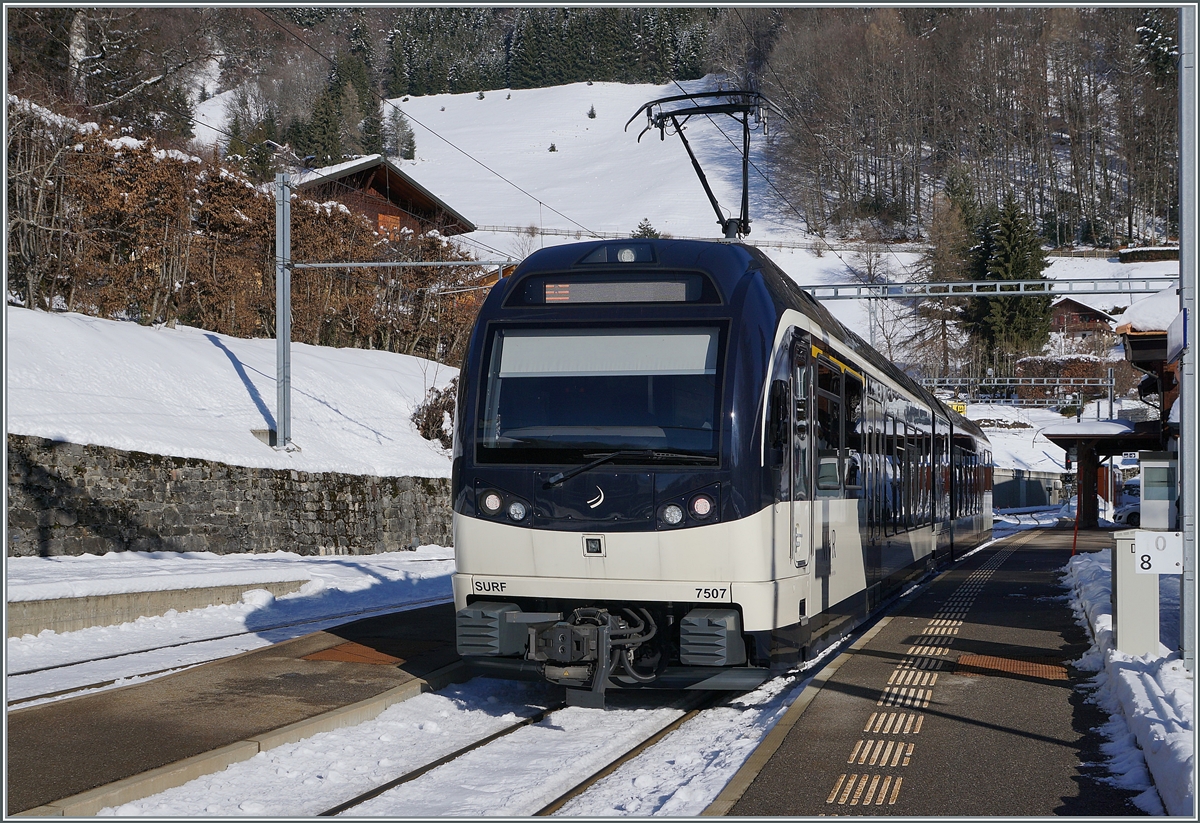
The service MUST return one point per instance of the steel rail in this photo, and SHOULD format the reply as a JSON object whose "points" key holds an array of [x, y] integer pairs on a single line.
{"points": [[702, 701], [693, 704], [408, 777]]}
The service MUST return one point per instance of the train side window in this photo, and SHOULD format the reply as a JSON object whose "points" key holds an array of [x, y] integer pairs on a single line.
{"points": [[926, 478], [778, 422], [894, 434], [829, 427], [957, 470], [853, 435], [910, 475]]}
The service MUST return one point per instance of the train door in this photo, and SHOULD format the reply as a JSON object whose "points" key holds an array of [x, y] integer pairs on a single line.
{"points": [[789, 439], [800, 454]]}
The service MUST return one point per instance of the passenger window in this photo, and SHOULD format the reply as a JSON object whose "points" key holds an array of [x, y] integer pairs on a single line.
{"points": [[854, 433], [829, 427]]}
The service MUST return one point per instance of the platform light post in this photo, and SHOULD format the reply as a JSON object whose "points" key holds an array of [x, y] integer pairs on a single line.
{"points": [[283, 311], [281, 436], [1188, 434]]}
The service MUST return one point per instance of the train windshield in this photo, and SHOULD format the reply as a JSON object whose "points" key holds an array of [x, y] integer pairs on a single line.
{"points": [[555, 395]]}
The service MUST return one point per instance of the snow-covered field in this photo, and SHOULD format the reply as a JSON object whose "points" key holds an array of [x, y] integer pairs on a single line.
{"points": [[490, 160], [191, 393]]}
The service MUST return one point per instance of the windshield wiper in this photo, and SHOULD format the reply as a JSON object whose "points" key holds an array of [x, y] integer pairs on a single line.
{"points": [[647, 454]]}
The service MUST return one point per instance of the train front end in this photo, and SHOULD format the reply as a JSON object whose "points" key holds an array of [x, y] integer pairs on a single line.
{"points": [[597, 500]]}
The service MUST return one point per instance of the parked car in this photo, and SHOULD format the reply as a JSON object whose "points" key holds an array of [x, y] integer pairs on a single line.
{"points": [[1129, 510], [1128, 514]]}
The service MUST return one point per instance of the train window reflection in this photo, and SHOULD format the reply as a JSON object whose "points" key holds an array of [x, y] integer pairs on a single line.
{"points": [[558, 393], [828, 430], [853, 433]]}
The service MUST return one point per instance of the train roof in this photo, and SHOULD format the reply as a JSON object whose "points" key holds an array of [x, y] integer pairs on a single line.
{"points": [[728, 262]]}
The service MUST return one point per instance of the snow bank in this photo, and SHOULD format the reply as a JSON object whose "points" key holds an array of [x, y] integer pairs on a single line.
{"points": [[338, 586], [1154, 694], [185, 392], [89, 575]]}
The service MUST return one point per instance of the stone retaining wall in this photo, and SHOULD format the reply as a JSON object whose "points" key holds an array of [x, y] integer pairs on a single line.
{"points": [[68, 499]]}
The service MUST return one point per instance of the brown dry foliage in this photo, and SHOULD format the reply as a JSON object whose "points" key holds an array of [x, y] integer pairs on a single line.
{"points": [[120, 229], [1124, 375]]}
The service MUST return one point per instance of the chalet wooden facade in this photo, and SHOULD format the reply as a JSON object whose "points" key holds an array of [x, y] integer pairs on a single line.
{"points": [[375, 186], [1078, 320]]}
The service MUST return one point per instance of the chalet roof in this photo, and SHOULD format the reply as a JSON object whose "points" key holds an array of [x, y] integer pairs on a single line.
{"points": [[1064, 299], [401, 190]]}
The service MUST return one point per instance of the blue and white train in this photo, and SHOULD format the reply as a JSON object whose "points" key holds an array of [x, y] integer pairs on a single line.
{"points": [[674, 468]]}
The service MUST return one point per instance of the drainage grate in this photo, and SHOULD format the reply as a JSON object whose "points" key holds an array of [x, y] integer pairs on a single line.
{"points": [[354, 653], [1044, 668]]}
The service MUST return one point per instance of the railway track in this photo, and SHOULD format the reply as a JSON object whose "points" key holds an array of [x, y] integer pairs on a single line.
{"points": [[525, 765], [13, 677], [691, 704]]}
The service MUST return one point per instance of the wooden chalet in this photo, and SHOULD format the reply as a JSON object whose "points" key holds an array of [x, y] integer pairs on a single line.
{"points": [[1078, 320], [375, 186]]}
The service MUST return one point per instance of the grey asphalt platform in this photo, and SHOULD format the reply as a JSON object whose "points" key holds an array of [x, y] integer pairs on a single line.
{"points": [[963, 703], [231, 707]]}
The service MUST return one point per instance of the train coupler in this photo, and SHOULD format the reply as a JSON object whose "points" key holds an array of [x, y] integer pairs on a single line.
{"points": [[583, 651]]}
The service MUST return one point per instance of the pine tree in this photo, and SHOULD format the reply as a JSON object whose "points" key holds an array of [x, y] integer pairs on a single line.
{"points": [[398, 137], [1009, 250], [235, 147], [372, 134], [646, 229], [325, 130]]}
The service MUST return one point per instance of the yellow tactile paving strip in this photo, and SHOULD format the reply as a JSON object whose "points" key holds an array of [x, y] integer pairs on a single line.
{"points": [[910, 686]]}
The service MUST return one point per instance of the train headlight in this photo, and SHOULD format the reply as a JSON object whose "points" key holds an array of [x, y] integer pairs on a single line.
{"points": [[516, 510], [702, 506], [672, 514], [491, 502]]}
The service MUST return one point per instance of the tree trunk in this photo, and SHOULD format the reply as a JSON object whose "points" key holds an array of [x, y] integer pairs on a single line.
{"points": [[76, 54]]}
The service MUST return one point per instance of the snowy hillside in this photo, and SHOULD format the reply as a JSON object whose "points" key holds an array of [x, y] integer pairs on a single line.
{"points": [[195, 394], [192, 393], [490, 160]]}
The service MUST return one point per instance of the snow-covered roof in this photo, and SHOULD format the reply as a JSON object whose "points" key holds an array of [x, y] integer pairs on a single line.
{"points": [[398, 181], [1151, 314], [308, 177], [1088, 306], [1089, 428]]}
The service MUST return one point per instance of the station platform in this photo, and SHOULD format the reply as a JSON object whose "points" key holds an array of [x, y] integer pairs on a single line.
{"points": [[76, 756], [963, 703]]}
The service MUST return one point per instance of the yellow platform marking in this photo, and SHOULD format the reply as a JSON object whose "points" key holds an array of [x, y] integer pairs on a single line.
{"points": [[927, 651], [905, 698], [836, 786], [871, 791], [910, 677], [926, 663]]}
